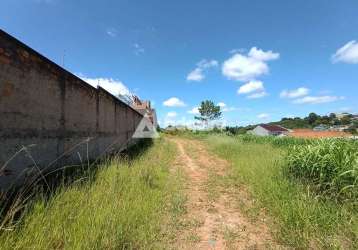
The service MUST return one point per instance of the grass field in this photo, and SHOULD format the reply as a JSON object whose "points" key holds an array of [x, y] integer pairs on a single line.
{"points": [[307, 188], [303, 218], [123, 207]]}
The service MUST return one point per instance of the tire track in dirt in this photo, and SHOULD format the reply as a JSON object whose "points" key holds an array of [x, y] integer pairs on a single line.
{"points": [[214, 223]]}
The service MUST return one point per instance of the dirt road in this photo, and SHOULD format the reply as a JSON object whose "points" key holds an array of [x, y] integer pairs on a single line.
{"points": [[215, 217]]}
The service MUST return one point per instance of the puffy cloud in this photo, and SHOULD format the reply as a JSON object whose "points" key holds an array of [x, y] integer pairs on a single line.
{"points": [[317, 99], [174, 102], [234, 51], [263, 116], [261, 55], [171, 114], [113, 86], [194, 111], [347, 54], [252, 86], [242, 67], [205, 64], [254, 89], [225, 108], [294, 93], [198, 73]]}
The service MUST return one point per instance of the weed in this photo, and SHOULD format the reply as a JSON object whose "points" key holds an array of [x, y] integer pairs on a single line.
{"points": [[123, 207], [301, 219]]}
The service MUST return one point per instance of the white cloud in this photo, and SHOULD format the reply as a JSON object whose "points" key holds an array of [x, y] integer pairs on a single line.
{"points": [[113, 86], [243, 68], [174, 102], [197, 74], [112, 32], [248, 67], [252, 86], [254, 89], [317, 99], [194, 111], [263, 116], [294, 93], [234, 51], [171, 114], [257, 95], [205, 64], [225, 108], [261, 55], [347, 54]]}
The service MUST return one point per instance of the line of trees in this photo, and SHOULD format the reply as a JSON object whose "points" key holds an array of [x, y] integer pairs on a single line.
{"points": [[310, 121], [313, 120]]}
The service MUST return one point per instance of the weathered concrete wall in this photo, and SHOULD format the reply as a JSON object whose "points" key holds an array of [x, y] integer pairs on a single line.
{"points": [[51, 118]]}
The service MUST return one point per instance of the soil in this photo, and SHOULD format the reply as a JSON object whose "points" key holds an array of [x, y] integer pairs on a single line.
{"points": [[216, 215], [308, 133]]}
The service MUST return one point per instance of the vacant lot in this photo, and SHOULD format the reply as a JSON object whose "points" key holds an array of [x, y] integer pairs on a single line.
{"points": [[202, 192], [309, 133]]}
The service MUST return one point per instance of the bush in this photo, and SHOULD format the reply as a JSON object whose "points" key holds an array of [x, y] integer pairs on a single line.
{"points": [[331, 165]]}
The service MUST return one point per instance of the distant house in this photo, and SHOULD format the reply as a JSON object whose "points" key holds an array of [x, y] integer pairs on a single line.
{"points": [[341, 115], [340, 128], [174, 128], [321, 127], [144, 107], [266, 129]]}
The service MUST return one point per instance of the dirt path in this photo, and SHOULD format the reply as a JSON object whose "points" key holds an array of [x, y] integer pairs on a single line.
{"points": [[214, 218]]}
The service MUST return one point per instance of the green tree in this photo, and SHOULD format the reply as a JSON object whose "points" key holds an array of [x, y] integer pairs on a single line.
{"points": [[312, 118], [332, 116], [345, 120], [208, 112]]}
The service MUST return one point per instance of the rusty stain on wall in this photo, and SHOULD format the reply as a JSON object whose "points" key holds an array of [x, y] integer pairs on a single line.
{"points": [[7, 89]]}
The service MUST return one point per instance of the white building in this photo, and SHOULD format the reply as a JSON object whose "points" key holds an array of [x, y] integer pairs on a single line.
{"points": [[265, 130]]}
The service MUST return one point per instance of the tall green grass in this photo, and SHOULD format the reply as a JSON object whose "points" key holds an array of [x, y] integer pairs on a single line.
{"points": [[123, 207], [331, 165], [274, 140], [301, 219]]}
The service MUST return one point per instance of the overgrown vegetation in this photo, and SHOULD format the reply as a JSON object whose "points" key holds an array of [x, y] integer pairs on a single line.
{"points": [[331, 165], [274, 140], [122, 206], [303, 217]]}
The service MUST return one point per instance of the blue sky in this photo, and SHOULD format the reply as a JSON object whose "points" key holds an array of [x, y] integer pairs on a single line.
{"points": [[261, 60]]}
